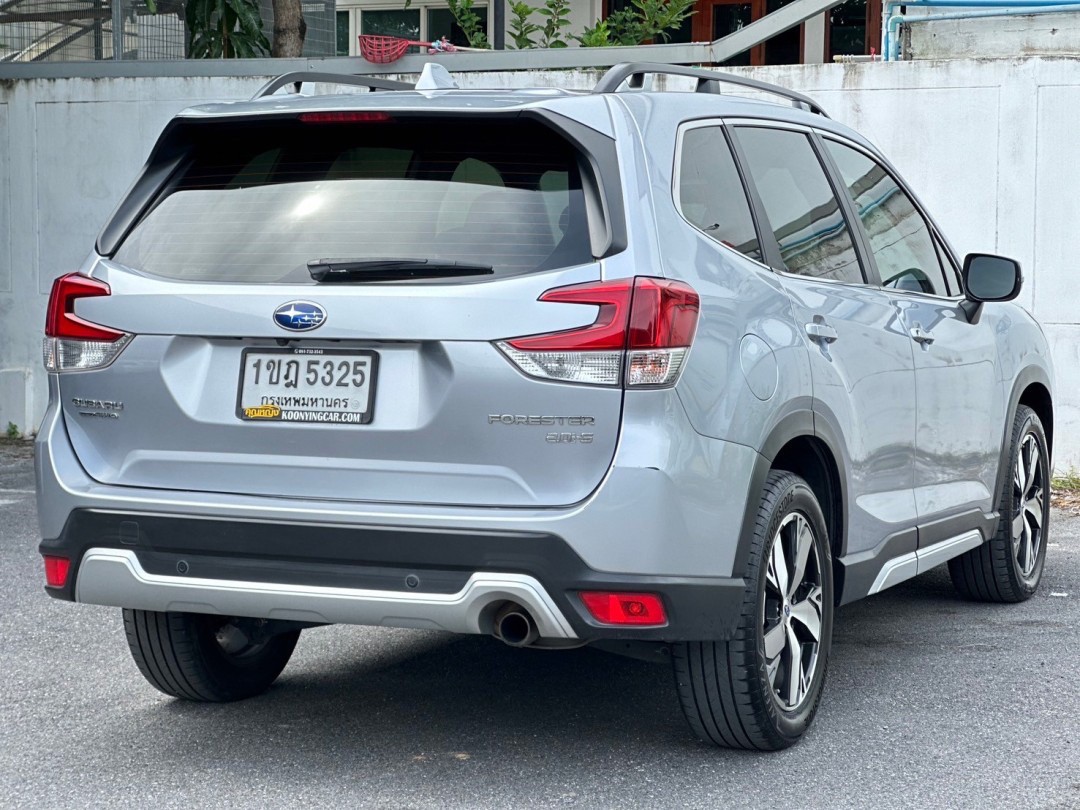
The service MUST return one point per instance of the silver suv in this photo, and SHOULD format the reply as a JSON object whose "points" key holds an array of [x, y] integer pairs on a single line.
{"points": [[670, 373]]}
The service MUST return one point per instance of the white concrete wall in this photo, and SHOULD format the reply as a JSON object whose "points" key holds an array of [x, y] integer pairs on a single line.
{"points": [[989, 145], [993, 37]]}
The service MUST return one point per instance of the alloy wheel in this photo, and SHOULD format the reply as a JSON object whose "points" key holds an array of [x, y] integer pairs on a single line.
{"points": [[792, 610], [1029, 505]]}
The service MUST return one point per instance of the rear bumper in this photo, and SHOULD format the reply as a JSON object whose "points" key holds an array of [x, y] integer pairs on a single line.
{"points": [[364, 575], [667, 519], [116, 577]]}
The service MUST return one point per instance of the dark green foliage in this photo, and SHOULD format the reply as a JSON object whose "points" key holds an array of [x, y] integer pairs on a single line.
{"points": [[658, 17], [643, 21], [557, 12], [469, 22], [225, 29], [626, 27], [521, 30], [598, 36]]}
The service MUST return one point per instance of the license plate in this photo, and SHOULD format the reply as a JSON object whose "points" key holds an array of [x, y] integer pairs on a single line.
{"points": [[328, 386]]}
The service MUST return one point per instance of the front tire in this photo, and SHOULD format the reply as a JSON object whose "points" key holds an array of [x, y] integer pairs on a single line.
{"points": [[206, 658], [760, 690], [1010, 566]]}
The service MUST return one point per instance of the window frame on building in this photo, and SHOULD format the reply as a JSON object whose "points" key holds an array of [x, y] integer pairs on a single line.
{"points": [[357, 10], [872, 40]]}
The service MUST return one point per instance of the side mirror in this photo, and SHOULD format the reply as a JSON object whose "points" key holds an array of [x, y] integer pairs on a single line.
{"points": [[991, 278]]}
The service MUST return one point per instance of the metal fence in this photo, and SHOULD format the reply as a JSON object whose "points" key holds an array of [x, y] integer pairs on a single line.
{"points": [[81, 30]]}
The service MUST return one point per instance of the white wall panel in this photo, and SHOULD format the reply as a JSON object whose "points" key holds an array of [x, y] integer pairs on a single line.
{"points": [[989, 146]]}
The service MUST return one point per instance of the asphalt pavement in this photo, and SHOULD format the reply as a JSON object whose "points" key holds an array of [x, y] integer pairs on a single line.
{"points": [[931, 702]]}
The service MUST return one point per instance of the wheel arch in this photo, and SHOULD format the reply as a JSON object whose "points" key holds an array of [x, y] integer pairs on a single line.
{"points": [[811, 458], [803, 444], [1031, 387], [1037, 397]]}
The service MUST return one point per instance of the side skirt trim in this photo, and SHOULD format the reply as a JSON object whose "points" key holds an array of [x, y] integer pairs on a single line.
{"points": [[918, 562]]}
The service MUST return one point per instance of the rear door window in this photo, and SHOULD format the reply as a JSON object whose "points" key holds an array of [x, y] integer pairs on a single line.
{"points": [[256, 202], [803, 211], [711, 195], [900, 238]]}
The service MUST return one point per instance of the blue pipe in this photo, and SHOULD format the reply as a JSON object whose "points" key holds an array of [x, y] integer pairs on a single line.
{"points": [[890, 44]]}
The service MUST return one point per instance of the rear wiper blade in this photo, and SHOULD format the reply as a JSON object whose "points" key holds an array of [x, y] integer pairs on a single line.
{"points": [[334, 270]]}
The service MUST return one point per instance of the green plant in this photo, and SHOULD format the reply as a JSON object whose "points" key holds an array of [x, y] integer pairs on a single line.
{"points": [[469, 22], [1067, 482], [557, 13], [599, 36], [224, 29], [645, 20], [13, 431], [659, 17], [625, 28], [521, 29]]}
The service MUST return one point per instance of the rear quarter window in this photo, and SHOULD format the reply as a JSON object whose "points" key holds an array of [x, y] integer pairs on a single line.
{"points": [[710, 193]]}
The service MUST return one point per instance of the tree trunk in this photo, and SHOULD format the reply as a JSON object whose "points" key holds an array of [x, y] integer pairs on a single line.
{"points": [[289, 28]]}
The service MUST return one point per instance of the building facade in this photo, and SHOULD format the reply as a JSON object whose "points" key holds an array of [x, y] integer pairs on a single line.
{"points": [[854, 27]]}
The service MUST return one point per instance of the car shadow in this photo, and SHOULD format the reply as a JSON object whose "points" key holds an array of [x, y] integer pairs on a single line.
{"points": [[364, 693]]}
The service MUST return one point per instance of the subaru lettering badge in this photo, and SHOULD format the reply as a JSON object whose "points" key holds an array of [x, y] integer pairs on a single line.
{"points": [[299, 316]]}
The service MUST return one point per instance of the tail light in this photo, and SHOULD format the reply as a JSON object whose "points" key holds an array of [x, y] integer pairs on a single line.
{"points": [[640, 609], [73, 343], [643, 325]]}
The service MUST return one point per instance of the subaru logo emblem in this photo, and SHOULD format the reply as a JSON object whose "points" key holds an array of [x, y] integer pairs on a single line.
{"points": [[299, 316]]}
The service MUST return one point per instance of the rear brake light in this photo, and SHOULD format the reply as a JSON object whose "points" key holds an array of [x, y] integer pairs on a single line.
{"points": [[647, 322], [345, 117], [625, 608], [663, 321], [56, 571], [73, 343]]}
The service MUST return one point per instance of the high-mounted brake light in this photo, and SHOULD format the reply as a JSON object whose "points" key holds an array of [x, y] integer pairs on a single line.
{"points": [[640, 609], [647, 322], [56, 571], [73, 343], [345, 117]]}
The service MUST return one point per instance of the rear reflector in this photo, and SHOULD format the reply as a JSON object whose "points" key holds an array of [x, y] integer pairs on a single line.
{"points": [[73, 343], [643, 325], [638, 609], [56, 571]]}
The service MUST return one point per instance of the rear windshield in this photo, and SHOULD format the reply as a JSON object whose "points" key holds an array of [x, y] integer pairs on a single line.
{"points": [[256, 202]]}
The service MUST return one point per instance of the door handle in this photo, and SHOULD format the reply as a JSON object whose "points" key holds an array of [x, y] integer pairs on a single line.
{"points": [[822, 332], [921, 336]]}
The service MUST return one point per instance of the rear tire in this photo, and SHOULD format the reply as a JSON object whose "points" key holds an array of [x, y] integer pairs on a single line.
{"points": [[760, 690], [206, 658], [1010, 566]]}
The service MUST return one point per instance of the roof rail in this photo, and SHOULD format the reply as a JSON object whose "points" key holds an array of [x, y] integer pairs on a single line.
{"points": [[302, 77], [708, 82]]}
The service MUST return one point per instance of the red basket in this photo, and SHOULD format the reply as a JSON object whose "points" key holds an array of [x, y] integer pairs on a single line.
{"points": [[382, 49]]}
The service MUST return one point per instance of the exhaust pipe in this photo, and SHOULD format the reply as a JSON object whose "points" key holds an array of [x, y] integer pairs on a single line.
{"points": [[514, 626]]}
